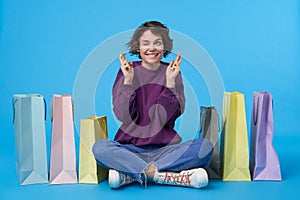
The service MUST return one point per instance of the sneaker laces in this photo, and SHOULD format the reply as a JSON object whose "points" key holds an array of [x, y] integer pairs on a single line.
{"points": [[126, 179], [182, 178]]}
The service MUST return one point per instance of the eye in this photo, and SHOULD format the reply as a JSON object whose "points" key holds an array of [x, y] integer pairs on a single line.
{"points": [[158, 42]]}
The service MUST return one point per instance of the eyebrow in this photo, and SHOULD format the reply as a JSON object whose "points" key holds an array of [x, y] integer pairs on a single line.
{"points": [[158, 39]]}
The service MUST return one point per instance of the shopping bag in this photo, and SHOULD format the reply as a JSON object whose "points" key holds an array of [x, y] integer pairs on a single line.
{"points": [[235, 161], [30, 138], [263, 157], [209, 129], [91, 130], [63, 156]]}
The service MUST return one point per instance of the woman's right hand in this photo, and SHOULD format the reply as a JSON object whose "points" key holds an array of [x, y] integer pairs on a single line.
{"points": [[127, 69]]}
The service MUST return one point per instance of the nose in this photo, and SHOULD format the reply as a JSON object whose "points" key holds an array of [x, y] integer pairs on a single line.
{"points": [[152, 47]]}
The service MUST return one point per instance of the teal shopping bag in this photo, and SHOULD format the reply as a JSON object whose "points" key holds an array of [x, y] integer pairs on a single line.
{"points": [[209, 129], [30, 138]]}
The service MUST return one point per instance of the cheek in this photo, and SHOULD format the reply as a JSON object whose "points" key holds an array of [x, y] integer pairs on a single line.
{"points": [[142, 51], [161, 48]]}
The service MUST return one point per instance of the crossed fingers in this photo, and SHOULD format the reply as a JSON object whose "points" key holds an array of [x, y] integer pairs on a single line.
{"points": [[124, 62], [176, 64]]}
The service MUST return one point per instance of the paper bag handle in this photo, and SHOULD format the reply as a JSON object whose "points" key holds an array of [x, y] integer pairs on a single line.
{"points": [[45, 106], [255, 109], [51, 114], [202, 115], [218, 120], [270, 108], [14, 109]]}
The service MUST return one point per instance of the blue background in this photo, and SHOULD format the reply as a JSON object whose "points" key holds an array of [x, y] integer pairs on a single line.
{"points": [[255, 45]]}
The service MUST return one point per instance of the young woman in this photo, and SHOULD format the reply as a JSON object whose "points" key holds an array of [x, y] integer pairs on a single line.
{"points": [[148, 97]]}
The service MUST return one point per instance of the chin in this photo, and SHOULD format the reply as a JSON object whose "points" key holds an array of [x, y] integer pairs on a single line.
{"points": [[152, 62]]}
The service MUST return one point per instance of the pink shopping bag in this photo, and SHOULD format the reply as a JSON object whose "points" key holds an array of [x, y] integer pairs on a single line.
{"points": [[63, 156]]}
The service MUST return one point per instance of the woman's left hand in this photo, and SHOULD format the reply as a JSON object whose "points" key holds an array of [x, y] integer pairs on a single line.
{"points": [[172, 71]]}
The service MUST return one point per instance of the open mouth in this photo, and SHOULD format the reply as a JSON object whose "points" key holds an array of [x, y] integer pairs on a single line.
{"points": [[152, 55]]}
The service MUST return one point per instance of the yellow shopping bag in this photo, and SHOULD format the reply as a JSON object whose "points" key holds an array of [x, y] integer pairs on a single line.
{"points": [[91, 130], [235, 161]]}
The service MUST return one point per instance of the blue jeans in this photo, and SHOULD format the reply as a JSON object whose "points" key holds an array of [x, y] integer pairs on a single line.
{"points": [[132, 160]]}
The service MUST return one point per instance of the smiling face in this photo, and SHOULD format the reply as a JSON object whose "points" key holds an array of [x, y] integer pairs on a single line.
{"points": [[151, 50]]}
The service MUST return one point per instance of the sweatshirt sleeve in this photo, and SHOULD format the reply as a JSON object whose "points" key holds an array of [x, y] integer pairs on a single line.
{"points": [[173, 100], [123, 99]]}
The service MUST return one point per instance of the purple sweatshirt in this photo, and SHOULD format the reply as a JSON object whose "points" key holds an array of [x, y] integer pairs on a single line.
{"points": [[148, 109]]}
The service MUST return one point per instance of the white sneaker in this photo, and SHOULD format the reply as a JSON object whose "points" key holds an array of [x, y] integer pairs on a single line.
{"points": [[117, 179], [196, 178]]}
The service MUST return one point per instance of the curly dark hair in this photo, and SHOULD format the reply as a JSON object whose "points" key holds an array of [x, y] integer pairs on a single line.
{"points": [[156, 28]]}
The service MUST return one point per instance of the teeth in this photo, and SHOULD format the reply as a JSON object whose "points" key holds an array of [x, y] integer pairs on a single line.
{"points": [[152, 54]]}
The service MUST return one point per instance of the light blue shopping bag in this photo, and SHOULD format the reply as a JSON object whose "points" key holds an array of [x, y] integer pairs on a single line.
{"points": [[30, 138]]}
